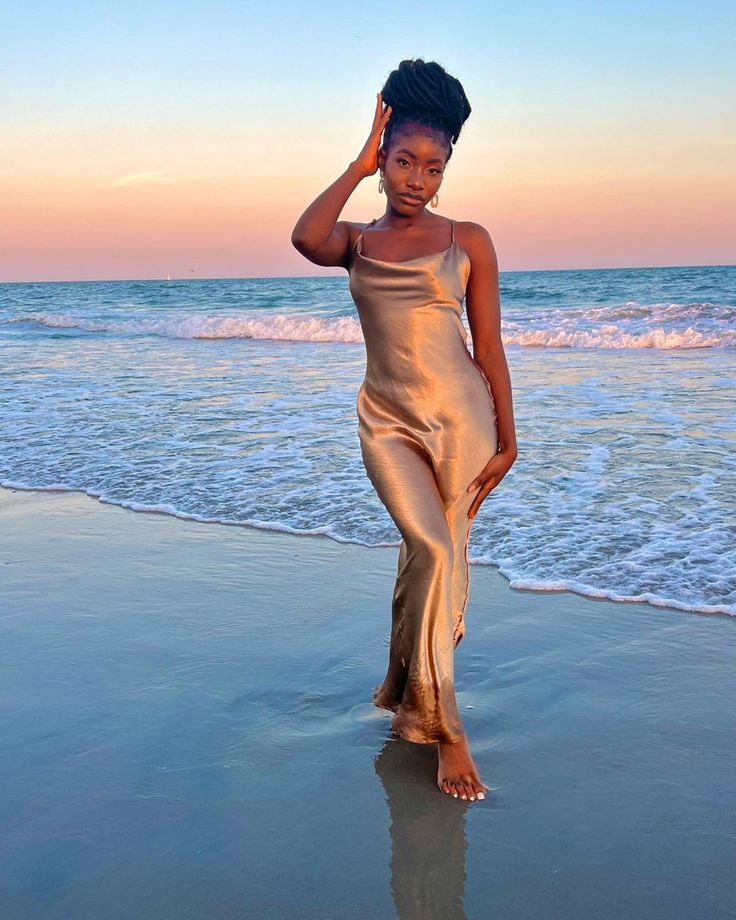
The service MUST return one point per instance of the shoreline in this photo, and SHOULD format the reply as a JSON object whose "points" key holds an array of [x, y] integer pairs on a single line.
{"points": [[137, 508]]}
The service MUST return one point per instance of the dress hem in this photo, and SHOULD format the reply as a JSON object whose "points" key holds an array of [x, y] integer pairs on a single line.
{"points": [[417, 738]]}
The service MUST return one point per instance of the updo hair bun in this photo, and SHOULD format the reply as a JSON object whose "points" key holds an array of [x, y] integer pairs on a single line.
{"points": [[422, 92]]}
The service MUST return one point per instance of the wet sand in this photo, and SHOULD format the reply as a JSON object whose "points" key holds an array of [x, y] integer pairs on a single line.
{"points": [[187, 732]]}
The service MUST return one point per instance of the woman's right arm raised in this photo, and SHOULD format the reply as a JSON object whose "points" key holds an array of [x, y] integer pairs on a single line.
{"points": [[318, 234]]}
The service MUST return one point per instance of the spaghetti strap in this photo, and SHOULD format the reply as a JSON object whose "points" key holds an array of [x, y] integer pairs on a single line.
{"points": [[360, 235], [453, 231]]}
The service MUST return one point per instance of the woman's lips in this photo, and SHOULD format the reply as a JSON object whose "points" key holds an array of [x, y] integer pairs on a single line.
{"points": [[410, 199]]}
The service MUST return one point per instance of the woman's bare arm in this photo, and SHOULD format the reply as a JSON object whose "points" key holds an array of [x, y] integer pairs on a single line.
{"points": [[483, 304], [318, 235], [484, 317]]}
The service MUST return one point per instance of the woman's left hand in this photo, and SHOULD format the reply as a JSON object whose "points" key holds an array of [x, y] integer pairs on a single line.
{"points": [[489, 478]]}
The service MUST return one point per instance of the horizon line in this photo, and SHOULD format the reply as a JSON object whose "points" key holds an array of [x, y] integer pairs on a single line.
{"points": [[510, 271]]}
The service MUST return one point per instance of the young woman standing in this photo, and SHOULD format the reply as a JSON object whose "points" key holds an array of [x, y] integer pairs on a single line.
{"points": [[436, 425]]}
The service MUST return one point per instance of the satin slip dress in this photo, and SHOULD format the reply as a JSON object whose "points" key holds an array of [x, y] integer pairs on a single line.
{"points": [[427, 427]]}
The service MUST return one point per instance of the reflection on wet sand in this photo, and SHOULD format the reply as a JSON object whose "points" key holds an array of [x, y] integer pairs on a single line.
{"points": [[428, 841]]}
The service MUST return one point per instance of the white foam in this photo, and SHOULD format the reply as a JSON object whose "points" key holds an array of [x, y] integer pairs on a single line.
{"points": [[612, 337], [626, 326], [279, 327], [525, 583]]}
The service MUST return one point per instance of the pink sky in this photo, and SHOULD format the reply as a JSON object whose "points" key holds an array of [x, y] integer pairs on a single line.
{"points": [[192, 146], [149, 223]]}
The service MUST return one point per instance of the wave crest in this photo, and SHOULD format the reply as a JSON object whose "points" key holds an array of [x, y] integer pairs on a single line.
{"points": [[629, 325]]}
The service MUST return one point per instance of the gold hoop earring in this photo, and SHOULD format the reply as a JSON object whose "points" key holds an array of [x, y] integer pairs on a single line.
{"points": [[435, 201], [380, 185]]}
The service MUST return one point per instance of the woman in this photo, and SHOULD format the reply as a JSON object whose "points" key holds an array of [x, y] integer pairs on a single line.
{"points": [[436, 425]]}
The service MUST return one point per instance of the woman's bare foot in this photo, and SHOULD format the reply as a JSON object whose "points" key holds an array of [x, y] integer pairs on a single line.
{"points": [[457, 775]]}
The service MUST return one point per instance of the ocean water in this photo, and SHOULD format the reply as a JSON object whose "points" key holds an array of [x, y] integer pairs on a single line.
{"points": [[234, 401]]}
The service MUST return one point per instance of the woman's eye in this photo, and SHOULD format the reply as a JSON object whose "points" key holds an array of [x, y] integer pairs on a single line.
{"points": [[402, 160]]}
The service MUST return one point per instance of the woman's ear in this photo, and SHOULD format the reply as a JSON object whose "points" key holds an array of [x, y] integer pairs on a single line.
{"points": [[381, 158]]}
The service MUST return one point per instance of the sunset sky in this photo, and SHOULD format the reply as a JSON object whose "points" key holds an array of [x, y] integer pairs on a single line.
{"points": [[146, 139]]}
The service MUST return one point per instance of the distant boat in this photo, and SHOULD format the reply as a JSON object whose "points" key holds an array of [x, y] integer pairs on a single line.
{"points": [[168, 277]]}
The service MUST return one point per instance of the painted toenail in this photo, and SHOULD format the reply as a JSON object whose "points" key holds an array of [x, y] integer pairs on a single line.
{"points": [[480, 795], [454, 795]]}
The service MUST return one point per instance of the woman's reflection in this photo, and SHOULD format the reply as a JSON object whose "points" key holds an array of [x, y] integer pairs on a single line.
{"points": [[427, 834]]}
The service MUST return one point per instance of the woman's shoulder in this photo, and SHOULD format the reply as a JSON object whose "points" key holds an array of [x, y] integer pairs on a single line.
{"points": [[352, 229], [355, 227], [475, 239], [473, 232]]}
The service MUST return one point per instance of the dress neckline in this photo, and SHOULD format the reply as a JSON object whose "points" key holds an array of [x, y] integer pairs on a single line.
{"points": [[429, 255]]}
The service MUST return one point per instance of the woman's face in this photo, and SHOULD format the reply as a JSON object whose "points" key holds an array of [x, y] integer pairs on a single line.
{"points": [[412, 166]]}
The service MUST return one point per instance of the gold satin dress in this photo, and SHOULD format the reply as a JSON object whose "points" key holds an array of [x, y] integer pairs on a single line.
{"points": [[427, 427]]}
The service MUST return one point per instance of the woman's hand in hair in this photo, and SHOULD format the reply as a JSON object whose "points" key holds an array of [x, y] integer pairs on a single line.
{"points": [[367, 159]]}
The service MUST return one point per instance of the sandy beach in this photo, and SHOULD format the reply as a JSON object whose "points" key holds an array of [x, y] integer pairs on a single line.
{"points": [[188, 732]]}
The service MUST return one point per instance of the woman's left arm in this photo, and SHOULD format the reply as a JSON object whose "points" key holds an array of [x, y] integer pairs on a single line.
{"points": [[483, 307]]}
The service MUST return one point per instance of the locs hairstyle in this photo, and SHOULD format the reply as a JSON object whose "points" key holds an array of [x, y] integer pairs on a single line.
{"points": [[422, 93]]}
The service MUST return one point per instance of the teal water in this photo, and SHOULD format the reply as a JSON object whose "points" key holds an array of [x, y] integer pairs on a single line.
{"points": [[234, 400]]}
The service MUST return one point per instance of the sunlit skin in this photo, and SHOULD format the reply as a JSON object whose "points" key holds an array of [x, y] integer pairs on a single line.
{"points": [[415, 164]]}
